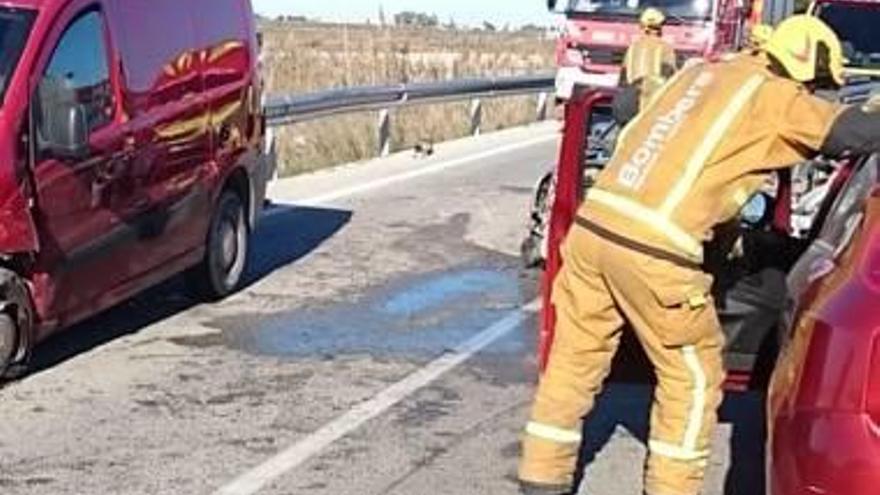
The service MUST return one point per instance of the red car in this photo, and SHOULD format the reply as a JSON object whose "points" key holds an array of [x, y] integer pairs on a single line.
{"points": [[130, 150], [824, 400]]}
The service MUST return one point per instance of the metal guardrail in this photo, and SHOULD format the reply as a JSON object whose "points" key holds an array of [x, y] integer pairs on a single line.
{"points": [[283, 110]]}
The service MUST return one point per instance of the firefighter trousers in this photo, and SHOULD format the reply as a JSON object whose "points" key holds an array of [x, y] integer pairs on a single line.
{"points": [[601, 286]]}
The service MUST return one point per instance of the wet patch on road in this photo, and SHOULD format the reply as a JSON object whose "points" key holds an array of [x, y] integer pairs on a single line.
{"points": [[461, 289], [418, 317], [439, 290]]}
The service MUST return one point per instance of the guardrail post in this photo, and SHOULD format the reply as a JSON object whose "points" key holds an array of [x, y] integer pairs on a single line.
{"points": [[384, 133], [476, 116], [541, 113]]}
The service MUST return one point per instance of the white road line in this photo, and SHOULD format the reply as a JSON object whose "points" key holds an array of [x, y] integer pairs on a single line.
{"points": [[426, 170], [298, 453]]}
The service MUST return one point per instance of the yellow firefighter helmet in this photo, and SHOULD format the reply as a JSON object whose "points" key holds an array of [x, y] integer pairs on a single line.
{"points": [[808, 49], [652, 19]]}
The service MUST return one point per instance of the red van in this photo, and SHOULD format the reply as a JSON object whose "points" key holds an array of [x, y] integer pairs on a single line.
{"points": [[130, 151]]}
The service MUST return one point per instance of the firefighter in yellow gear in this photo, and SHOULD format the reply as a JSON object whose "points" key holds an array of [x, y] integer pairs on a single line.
{"points": [[649, 61], [706, 143], [648, 64]]}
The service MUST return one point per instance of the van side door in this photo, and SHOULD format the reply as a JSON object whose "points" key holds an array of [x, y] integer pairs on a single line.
{"points": [[167, 110], [82, 235]]}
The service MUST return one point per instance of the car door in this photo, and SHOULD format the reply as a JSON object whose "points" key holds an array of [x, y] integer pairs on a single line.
{"points": [[83, 236], [836, 232]]}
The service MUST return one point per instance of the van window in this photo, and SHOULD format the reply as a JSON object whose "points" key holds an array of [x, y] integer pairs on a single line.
{"points": [[78, 71]]}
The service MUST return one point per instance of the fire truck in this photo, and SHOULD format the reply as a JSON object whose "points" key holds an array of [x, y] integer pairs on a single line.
{"points": [[595, 34]]}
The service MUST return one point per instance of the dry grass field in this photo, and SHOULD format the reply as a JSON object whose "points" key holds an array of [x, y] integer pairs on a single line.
{"points": [[302, 57]]}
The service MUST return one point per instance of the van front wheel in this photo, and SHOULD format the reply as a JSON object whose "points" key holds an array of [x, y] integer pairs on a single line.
{"points": [[226, 251]]}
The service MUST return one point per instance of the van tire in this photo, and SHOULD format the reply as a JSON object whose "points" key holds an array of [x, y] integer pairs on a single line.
{"points": [[16, 320], [8, 342], [222, 270]]}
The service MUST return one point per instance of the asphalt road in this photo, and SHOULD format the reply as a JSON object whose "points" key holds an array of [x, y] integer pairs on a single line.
{"points": [[384, 345]]}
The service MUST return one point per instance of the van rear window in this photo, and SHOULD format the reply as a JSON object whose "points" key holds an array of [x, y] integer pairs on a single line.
{"points": [[15, 26]]}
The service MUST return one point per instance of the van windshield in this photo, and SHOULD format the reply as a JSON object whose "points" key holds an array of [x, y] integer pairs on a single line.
{"points": [[856, 25], [675, 10], [15, 25]]}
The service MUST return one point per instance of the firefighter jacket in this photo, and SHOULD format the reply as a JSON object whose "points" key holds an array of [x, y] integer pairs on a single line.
{"points": [[703, 146], [649, 62]]}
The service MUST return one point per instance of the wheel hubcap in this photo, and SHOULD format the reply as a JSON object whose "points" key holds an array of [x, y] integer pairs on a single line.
{"points": [[7, 345], [228, 244]]}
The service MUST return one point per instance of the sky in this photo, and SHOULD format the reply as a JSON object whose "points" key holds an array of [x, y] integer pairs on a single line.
{"points": [[471, 12]]}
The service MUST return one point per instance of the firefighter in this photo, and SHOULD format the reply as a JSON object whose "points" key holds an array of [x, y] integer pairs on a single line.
{"points": [[690, 161], [649, 61]]}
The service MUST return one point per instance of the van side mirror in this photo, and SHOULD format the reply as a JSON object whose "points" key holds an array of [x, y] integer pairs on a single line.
{"points": [[66, 132], [551, 5]]}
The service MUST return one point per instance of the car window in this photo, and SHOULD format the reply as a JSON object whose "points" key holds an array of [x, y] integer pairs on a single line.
{"points": [[846, 213], [78, 71]]}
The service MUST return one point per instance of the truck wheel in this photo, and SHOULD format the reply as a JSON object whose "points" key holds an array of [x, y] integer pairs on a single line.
{"points": [[226, 250], [8, 341]]}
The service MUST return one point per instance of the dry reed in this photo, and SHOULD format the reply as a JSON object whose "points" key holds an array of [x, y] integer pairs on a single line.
{"points": [[302, 57]]}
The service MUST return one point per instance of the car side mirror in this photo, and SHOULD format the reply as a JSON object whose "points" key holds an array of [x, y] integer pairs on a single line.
{"points": [[66, 132], [551, 5]]}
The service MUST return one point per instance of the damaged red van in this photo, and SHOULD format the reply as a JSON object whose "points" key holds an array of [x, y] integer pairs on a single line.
{"points": [[130, 151]]}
